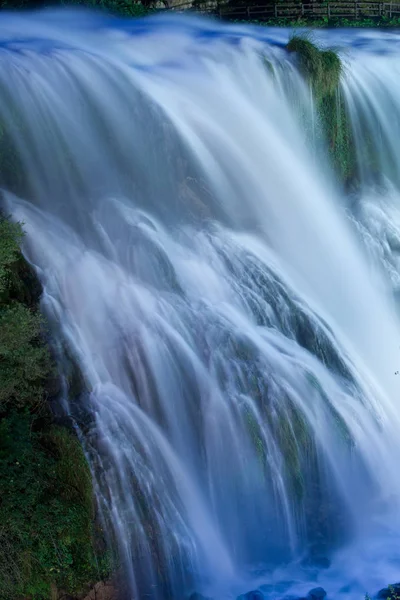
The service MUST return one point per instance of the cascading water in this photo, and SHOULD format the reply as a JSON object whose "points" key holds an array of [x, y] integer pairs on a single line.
{"points": [[230, 310]]}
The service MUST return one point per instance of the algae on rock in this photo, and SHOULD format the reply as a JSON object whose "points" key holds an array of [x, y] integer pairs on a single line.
{"points": [[323, 70]]}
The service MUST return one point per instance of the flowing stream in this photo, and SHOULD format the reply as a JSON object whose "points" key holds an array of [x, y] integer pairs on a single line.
{"points": [[233, 311]]}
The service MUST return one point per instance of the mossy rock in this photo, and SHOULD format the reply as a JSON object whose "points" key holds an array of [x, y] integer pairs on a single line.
{"points": [[323, 69]]}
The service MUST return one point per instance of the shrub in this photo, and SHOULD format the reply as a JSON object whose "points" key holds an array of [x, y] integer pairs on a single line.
{"points": [[46, 510], [10, 237], [24, 361], [46, 500], [125, 8]]}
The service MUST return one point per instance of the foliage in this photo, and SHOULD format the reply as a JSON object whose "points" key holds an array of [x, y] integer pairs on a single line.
{"points": [[126, 8], [323, 69], [45, 510], [324, 22], [392, 592], [46, 501], [24, 361], [10, 237]]}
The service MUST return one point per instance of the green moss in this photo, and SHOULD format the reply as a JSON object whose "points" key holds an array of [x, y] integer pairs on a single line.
{"points": [[323, 69], [72, 468], [46, 510], [294, 440], [47, 524], [253, 427]]}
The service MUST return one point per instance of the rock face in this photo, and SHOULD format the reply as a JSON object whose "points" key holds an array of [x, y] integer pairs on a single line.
{"points": [[103, 591], [253, 595], [197, 596], [390, 593], [317, 593]]}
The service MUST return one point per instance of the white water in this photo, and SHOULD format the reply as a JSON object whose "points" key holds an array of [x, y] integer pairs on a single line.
{"points": [[232, 313]]}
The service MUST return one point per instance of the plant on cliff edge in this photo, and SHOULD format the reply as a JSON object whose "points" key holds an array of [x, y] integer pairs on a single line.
{"points": [[323, 69], [46, 501]]}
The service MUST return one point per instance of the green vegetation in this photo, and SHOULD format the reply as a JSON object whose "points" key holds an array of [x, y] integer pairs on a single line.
{"points": [[323, 69], [125, 8], [392, 592], [23, 359], [10, 236], [334, 22], [46, 501]]}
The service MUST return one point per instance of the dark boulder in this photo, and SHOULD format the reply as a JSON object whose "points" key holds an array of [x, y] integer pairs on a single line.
{"points": [[104, 590], [278, 587], [317, 561], [317, 593], [322, 562], [346, 589], [253, 595], [197, 596], [392, 592]]}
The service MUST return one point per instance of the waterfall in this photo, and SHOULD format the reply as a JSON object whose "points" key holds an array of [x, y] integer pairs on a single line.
{"points": [[233, 311]]}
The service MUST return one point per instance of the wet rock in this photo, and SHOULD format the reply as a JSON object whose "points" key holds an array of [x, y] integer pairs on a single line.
{"points": [[103, 591], [322, 562], [319, 562], [392, 592], [253, 595], [317, 593], [346, 589], [275, 588]]}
